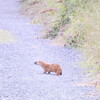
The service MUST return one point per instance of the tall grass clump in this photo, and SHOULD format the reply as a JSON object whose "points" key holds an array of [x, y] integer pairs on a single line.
{"points": [[84, 32], [6, 37]]}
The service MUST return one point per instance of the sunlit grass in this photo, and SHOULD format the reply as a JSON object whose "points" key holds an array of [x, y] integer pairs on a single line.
{"points": [[86, 24], [6, 37]]}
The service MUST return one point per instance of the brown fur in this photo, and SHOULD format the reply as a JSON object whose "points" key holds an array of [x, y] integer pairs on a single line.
{"points": [[50, 67]]}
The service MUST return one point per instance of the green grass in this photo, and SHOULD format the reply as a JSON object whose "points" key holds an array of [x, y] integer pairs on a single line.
{"points": [[6, 37], [86, 26]]}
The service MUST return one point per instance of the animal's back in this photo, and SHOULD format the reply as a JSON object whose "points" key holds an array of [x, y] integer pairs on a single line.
{"points": [[55, 67]]}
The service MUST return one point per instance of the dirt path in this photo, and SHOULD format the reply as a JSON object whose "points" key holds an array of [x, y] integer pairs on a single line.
{"points": [[20, 79]]}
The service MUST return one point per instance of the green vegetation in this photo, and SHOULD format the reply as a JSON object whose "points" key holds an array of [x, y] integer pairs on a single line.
{"points": [[74, 23], [6, 37]]}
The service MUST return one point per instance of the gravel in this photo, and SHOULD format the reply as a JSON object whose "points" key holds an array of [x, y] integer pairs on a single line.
{"points": [[20, 79]]}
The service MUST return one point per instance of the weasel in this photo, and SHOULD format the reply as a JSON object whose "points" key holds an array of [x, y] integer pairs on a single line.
{"points": [[50, 67]]}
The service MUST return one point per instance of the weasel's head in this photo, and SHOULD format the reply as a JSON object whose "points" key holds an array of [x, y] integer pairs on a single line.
{"points": [[38, 62]]}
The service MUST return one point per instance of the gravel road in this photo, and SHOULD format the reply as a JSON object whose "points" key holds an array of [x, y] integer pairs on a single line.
{"points": [[20, 79]]}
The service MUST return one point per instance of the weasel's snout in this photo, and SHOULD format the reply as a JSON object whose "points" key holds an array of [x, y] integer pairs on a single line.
{"points": [[35, 62]]}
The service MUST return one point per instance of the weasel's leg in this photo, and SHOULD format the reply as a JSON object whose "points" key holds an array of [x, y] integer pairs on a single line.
{"points": [[60, 73], [45, 71], [48, 72]]}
